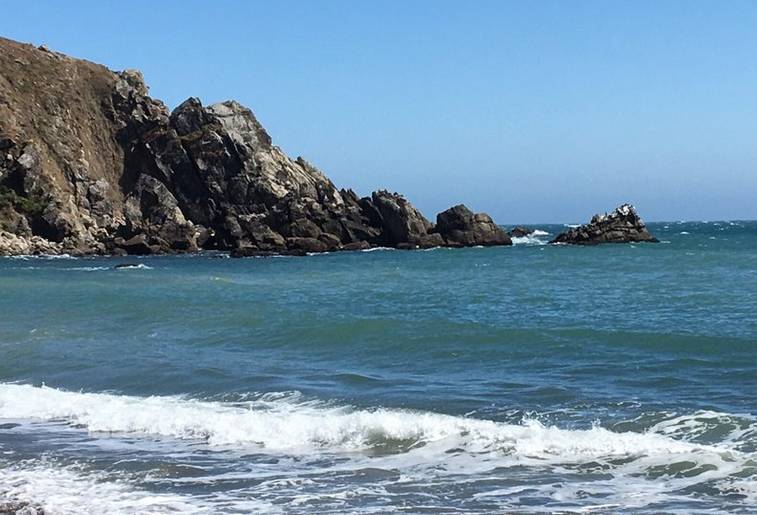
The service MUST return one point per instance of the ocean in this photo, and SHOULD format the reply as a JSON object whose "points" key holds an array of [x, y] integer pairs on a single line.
{"points": [[528, 379]]}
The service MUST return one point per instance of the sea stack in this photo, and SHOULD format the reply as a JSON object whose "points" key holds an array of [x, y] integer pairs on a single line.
{"points": [[623, 225], [91, 164]]}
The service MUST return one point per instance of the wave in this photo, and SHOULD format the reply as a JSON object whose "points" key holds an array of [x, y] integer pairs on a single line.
{"points": [[539, 232], [286, 422], [140, 266], [654, 463]]}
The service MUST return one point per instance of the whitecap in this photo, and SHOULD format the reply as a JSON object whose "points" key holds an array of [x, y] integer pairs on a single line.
{"points": [[287, 423], [424, 446], [527, 240], [376, 249]]}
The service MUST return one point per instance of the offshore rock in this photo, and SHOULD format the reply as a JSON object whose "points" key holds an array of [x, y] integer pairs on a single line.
{"points": [[459, 226], [520, 232], [623, 225]]}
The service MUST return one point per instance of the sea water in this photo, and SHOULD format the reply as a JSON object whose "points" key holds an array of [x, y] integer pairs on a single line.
{"points": [[533, 378]]}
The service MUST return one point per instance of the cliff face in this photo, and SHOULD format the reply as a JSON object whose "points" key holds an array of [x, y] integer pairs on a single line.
{"points": [[89, 163]]}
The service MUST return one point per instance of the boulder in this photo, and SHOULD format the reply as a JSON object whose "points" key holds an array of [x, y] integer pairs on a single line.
{"points": [[136, 245], [359, 245], [401, 223], [459, 226], [520, 232], [623, 225], [306, 244]]}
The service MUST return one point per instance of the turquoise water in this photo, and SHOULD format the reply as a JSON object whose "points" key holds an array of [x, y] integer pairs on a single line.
{"points": [[535, 378]]}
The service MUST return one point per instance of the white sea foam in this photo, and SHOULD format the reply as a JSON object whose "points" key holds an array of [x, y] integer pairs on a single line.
{"points": [[67, 491], [27, 257], [539, 232], [637, 468], [375, 249], [528, 240], [286, 423], [140, 266]]}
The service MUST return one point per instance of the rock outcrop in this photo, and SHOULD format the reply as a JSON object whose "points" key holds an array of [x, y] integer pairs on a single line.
{"points": [[460, 227], [623, 225], [91, 164], [520, 232]]}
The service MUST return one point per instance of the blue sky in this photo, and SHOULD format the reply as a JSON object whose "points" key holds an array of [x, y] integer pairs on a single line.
{"points": [[532, 111]]}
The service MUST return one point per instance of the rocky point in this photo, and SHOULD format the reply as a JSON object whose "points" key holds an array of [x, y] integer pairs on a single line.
{"points": [[91, 164]]}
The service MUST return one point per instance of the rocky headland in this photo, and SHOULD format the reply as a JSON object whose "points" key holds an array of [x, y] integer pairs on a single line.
{"points": [[623, 225], [91, 164]]}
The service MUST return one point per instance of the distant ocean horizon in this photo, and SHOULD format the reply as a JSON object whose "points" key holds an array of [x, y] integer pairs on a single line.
{"points": [[529, 379]]}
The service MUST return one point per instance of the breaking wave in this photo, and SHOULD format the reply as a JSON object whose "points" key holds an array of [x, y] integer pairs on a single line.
{"points": [[625, 468], [285, 422]]}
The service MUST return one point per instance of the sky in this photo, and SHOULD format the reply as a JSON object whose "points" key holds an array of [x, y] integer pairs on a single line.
{"points": [[532, 111]]}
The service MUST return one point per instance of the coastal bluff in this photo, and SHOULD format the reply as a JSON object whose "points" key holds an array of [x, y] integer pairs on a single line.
{"points": [[91, 164]]}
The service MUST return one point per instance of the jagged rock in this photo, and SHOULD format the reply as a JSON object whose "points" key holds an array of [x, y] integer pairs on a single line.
{"points": [[520, 232], [459, 226], [90, 163], [623, 225]]}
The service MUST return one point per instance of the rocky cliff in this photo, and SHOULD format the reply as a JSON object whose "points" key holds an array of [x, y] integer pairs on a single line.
{"points": [[91, 164]]}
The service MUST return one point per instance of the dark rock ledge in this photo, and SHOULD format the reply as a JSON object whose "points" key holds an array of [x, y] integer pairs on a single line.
{"points": [[623, 225], [91, 164]]}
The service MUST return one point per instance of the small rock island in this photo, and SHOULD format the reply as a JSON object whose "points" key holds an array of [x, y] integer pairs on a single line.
{"points": [[623, 225]]}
